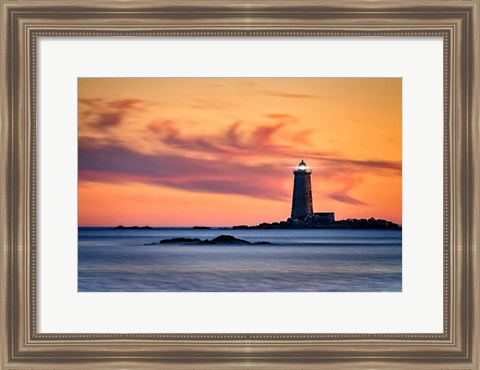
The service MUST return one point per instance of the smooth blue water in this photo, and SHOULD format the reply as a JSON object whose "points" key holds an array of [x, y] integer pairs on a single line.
{"points": [[302, 260]]}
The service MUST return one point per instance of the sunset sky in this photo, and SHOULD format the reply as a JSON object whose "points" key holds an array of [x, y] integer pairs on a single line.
{"points": [[220, 151]]}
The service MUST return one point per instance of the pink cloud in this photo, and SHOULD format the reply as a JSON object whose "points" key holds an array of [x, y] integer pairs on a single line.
{"points": [[103, 114], [230, 151]]}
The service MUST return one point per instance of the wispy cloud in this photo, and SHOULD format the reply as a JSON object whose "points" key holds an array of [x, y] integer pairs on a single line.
{"points": [[281, 116], [345, 183], [345, 198], [392, 166], [232, 140], [103, 114], [225, 161], [111, 162], [211, 104], [293, 95]]}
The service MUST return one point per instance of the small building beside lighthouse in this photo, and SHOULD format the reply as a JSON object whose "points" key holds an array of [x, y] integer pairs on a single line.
{"points": [[302, 200]]}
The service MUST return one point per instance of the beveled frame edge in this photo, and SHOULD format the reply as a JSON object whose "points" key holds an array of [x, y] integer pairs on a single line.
{"points": [[23, 22]]}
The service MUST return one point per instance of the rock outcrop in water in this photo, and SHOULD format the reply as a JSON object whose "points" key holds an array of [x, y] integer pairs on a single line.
{"points": [[219, 240], [121, 227], [311, 222]]}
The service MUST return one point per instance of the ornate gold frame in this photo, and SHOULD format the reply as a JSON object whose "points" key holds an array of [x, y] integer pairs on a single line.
{"points": [[23, 22]]}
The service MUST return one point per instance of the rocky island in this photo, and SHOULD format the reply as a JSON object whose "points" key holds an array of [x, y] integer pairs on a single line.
{"points": [[304, 217], [314, 221], [121, 227], [219, 240]]}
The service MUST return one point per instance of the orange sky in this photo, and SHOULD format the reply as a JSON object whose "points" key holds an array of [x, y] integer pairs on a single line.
{"points": [[220, 151]]}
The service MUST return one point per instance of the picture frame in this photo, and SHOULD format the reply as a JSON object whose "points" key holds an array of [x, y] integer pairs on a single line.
{"points": [[24, 22]]}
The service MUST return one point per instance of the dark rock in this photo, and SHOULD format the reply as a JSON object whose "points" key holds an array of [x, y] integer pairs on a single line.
{"points": [[121, 227], [219, 240], [201, 228], [227, 239]]}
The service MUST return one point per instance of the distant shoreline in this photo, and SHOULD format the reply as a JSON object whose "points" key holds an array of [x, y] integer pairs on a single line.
{"points": [[369, 224]]}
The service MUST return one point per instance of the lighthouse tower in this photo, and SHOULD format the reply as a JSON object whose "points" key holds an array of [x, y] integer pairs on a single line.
{"points": [[302, 203]]}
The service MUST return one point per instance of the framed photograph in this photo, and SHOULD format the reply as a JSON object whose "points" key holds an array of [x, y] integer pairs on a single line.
{"points": [[204, 184], [212, 185]]}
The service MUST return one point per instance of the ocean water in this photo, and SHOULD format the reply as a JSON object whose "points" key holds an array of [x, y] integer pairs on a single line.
{"points": [[301, 260]]}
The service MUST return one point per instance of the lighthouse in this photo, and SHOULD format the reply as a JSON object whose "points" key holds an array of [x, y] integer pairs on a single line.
{"points": [[302, 203]]}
